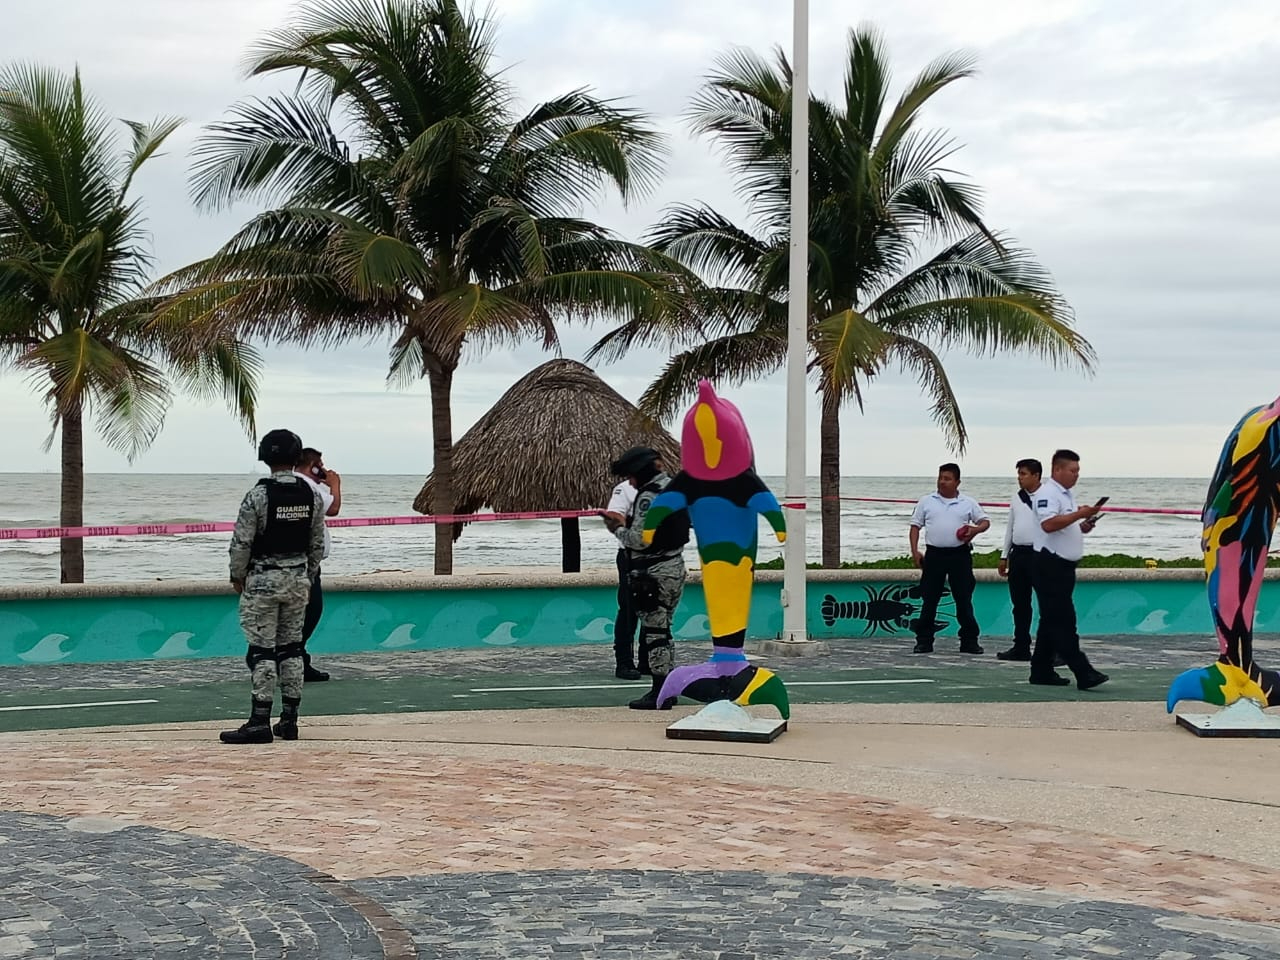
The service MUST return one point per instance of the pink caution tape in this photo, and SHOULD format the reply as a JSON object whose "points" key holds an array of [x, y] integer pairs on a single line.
{"points": [[172, 529], [1167, 511], [169, 529]]}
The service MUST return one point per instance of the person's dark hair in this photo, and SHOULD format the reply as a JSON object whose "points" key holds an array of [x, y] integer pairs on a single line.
{"points": [[1030, 465], [951, 468], [310, 455], [1065, 456]]}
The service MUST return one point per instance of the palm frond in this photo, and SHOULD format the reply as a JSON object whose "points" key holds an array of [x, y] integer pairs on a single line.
{"points": [[268, 149], [708, 243], [148, 138], [731, 360]]}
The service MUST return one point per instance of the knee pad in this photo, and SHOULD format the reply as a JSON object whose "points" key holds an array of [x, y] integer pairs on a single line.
{"points": [[651, 638], [257, 654], [290, 651]]}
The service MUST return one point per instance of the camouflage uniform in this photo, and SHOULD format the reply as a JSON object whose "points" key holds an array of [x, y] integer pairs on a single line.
{"points": [[274, 598], [666, 568]]}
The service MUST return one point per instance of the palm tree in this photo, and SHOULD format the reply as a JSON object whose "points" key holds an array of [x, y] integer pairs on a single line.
{"points": [[901, 264], [72, 265], [414, 203]]}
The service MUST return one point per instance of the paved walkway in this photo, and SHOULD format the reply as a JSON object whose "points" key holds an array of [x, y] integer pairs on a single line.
{"points": [[1070, 827]]}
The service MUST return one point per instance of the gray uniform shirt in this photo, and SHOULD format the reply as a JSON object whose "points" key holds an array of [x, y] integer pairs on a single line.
{"points": [[252, 521]]}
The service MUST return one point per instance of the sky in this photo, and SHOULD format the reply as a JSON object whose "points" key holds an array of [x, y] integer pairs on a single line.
{"points": [[1132, 147]]}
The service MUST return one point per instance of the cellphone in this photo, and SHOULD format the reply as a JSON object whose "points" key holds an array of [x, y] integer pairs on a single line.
{"points": [[1102, 501], [319, 473]]}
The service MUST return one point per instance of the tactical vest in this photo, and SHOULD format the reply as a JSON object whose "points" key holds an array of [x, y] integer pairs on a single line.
{"points": [[672, 534], [290, 507]]}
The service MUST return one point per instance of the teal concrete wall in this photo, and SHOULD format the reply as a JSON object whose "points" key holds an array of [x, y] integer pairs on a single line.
{"points": [[102, 628]]}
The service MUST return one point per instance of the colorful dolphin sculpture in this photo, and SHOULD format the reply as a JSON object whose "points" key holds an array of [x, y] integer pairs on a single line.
{"points": [[1239, 520], [719, 487]]}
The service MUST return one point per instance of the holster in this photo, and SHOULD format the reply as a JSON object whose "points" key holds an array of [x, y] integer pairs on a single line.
{"points": [[644, 592]]}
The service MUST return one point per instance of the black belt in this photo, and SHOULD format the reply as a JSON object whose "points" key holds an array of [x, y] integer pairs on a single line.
{"points": [[1022, 548], [1053, 556], [956, 549]]}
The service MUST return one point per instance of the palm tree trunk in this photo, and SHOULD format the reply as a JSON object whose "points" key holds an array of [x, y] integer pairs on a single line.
{"points": [[72, 513], [441, 380], [829, 478]]}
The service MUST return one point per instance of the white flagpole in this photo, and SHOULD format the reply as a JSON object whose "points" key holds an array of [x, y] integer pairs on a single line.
{"points": [[794, 585]]}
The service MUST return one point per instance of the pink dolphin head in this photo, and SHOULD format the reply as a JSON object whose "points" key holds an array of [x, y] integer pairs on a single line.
{"points": [[715, 444]]}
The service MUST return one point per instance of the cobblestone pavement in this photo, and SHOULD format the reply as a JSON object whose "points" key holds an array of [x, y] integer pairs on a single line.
{"points": [[1169, 653], [751, 916], [101, 889], [90, 889], [369, 813]]}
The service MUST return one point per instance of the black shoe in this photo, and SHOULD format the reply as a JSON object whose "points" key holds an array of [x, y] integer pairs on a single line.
{"points": [[311, 675], [648, 702], [247, 733], [627, 673], [973, 647], [1094, 678], [922, 647], [1049, 680], [1014, 653], [286, 729]]}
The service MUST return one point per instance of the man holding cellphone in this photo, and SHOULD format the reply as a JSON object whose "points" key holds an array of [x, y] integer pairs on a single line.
{"points": [[1059, 546]]}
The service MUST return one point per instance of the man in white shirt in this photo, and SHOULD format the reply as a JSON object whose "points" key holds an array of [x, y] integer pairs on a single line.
{"points": [[328, 484], [624, 626], [1059, 546], [950, 521], [1018, 555]]}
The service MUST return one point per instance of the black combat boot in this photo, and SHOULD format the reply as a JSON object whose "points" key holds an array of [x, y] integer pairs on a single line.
{"points": [[625, 669], [256, 730], [650, 700], [287, 728]]}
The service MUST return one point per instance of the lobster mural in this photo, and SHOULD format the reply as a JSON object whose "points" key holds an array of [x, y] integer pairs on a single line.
{"points": [[889, 609]]}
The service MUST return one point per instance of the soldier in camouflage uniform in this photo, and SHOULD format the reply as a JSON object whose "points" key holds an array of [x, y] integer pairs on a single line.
{"points": [[657, 571], [275, 552]]}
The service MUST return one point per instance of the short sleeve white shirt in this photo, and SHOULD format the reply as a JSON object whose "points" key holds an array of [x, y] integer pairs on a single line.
{"points": [[1023, 523], [942, 518], [1053, 500], [326, 498], [624, 495]]}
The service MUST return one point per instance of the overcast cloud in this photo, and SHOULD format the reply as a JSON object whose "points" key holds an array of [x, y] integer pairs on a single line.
{"points": [[1132, 146]]}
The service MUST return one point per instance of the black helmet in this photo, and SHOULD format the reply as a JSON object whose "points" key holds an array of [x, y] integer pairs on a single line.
{"points": [[280, 446], [633, 461]]}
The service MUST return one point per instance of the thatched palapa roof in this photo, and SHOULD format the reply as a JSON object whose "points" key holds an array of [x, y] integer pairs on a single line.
{"points": [[547, 444]]}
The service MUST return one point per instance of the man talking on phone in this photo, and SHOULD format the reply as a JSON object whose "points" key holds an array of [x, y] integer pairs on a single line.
{"points": [[1059, 543], [328, 484]]}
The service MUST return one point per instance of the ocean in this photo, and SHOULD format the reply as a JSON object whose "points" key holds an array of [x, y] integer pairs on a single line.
{"points": [[868, 530]]}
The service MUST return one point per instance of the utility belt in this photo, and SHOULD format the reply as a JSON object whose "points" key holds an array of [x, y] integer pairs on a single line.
{"points": [[638, 564], [259, 564]]}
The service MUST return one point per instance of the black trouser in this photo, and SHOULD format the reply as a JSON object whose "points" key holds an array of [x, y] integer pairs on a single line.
{"points": [[315, 607], [1021, 562], [624, 627], [953, 566], [1055, 582]]}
